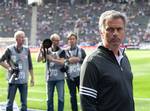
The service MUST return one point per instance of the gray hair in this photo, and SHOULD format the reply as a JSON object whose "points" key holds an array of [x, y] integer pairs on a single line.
{"points": [[54, 36], [111, 14], [18, 33]]}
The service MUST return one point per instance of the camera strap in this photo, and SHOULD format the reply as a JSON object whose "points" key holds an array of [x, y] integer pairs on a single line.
{"points": [[70, 53], [18, 50], [49, 72]]}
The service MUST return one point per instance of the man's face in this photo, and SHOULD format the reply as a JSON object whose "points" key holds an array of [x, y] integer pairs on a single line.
{"points": [[113, 33], [20, 40], [55, 41], [72, 41]]}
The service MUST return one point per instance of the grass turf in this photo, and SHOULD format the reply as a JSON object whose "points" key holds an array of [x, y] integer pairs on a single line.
{"points": [[140, 62]]}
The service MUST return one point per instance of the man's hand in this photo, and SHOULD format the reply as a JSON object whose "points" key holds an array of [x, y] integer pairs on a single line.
{"points": [[73, 60], [50, 57], [11, 70], [32, 83], [32, 77]]}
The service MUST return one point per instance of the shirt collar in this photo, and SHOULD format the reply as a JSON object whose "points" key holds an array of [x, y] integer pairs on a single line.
{"points": [[120, 55], [73, 48]]}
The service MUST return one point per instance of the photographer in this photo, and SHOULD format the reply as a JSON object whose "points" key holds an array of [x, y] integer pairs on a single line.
{"points": [[17, 60], [75, 56], [54, 76]]}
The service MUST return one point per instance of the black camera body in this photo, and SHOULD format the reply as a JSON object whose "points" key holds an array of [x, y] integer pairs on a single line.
{"points": [[64, 68], [47, 43], [14, 74], [16, 71]]}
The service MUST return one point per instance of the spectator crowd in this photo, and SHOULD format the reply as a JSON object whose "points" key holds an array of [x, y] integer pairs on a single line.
{"points": [[62, 17]]}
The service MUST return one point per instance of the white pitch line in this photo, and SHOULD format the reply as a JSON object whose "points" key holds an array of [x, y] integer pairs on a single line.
{"points": [[33, 99], [44, 92], [142, 99], [33, 91]]}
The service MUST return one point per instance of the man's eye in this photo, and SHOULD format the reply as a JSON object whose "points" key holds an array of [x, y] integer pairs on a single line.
{"points": [[113, 29], [110, 29], [119, 29]]}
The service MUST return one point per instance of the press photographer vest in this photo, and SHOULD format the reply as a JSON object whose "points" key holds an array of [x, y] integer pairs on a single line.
{"points": [[53, 69], [74, 69], [21, 59]]}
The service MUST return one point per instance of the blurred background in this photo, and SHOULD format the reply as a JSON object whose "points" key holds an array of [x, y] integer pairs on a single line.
{"points": [[42, 18]]}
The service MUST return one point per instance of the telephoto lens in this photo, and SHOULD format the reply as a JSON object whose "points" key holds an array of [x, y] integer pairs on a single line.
{"points": [[46, 44]]}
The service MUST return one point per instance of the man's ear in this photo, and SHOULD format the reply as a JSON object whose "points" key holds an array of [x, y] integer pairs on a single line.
{"points": [[101, 33]]}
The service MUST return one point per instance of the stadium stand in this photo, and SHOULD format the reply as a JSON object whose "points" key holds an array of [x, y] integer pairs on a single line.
{"points": [[61, 17]]}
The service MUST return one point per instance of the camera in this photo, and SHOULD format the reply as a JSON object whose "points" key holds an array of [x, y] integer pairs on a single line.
{"points": [[65, 66], [47, 43], [65, 69], [14, 74]]}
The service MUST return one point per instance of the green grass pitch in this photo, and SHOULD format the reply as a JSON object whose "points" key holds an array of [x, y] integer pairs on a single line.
{"points": [[140, 62]]}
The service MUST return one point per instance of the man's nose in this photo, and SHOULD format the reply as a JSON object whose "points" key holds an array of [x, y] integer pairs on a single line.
{"points": [[115, 31]]}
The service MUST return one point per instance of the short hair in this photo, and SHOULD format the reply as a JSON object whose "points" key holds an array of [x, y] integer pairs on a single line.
{"points": [[54, 36], [111, 14], [72, 34], [19, 33]]}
